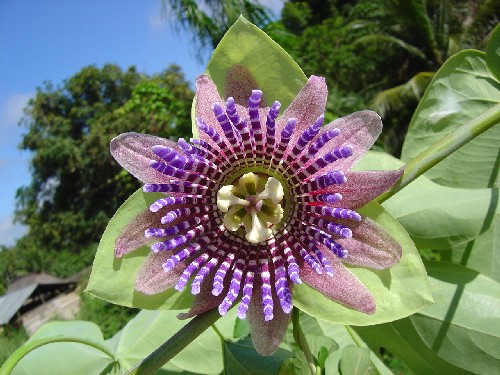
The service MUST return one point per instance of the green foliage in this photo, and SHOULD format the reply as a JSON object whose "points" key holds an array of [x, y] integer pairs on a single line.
{"points": [[210, 25], [11, 338], [76, 185]]}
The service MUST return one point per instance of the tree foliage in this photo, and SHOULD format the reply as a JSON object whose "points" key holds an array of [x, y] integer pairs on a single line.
{"points": [[76, 185]]}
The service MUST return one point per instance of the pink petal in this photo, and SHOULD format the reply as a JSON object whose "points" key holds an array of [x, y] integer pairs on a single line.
{"points": [[266, 336], [362, 187], [370, 246], [359, 129], [206, 96], [152, 279], [204, 300], [133, 152], [308, 105], [342, 287], [132, 236]]}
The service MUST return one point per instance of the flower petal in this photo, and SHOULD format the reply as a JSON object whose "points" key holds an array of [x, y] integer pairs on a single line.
{"points": [[370, 246], [206, 96], [342, 287], [359, 130], [132, 236], [134, 152], [364, 186], [306, 108], [152, 279], [204, 300], [266, 335]]}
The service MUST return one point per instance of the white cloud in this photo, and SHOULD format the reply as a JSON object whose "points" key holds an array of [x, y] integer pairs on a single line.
{"points": [[14, 106], [10, 232]]}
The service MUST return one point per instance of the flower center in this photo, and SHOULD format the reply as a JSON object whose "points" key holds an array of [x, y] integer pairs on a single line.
{"points": [[253, 203]]}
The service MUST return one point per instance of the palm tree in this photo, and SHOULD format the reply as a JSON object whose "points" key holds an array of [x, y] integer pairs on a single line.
{"points": [[210, 19], [428, 33]]}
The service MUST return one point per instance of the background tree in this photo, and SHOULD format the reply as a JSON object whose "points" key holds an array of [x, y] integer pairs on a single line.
{"points": [[210, 19], [381, 54], [75, 184]]}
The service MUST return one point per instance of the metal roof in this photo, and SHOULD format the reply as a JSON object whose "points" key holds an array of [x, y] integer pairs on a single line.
{"points": [[20, 290], [12, 302]]}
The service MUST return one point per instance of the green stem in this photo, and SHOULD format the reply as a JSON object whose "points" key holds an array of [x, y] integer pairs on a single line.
{"points": [[443, 148], [19, 354], [301, 341], [175, 344]]}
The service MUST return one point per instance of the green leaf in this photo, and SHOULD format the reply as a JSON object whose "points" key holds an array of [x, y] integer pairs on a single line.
{"points": [[344, 336], [482, 254], [401, 339], [242, 358], [493, 52], [65, 357], [149, 329], [463, 326], [435, 216], [399, 291], [462, 89], [113, 279], [245, 45], [356, 361], [459, 333]]}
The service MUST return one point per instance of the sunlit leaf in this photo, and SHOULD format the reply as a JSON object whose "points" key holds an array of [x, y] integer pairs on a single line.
{"points": [[64, 357], [113, 279], [245, 45], [462, 89], [435, 216], [399, 291], [149, 329]]}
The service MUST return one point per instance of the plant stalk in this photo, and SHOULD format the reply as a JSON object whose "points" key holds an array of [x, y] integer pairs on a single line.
{"points": [[175, 344], [301, 341], [443, 148]]}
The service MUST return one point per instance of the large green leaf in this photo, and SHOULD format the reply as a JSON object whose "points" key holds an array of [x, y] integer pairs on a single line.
{"points": [[461, 329], [482, 254], [462, 89], [435, 216], [113, 279], [401, 338], [399, 291], [463, 326], [245, 45], [63, 357], [149, 329]]}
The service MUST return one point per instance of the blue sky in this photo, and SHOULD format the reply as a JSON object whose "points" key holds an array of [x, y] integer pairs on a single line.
{"points": [[53, 39]]}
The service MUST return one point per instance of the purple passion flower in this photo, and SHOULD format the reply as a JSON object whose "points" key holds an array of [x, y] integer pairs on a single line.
{"points": [[258, 203]]}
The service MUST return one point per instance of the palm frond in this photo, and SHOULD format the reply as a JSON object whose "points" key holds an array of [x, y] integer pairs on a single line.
{"points": [[389, 39], [398, 97], [415, 12]]}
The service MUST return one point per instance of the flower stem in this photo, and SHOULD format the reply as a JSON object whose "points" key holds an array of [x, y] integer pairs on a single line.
{"points": [[443, 148], [19, 354], [301, 341], [175, 344]]}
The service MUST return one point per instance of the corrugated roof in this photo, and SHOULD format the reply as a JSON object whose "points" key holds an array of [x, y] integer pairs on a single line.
{"points": [[37, 279], [12, 302]]}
